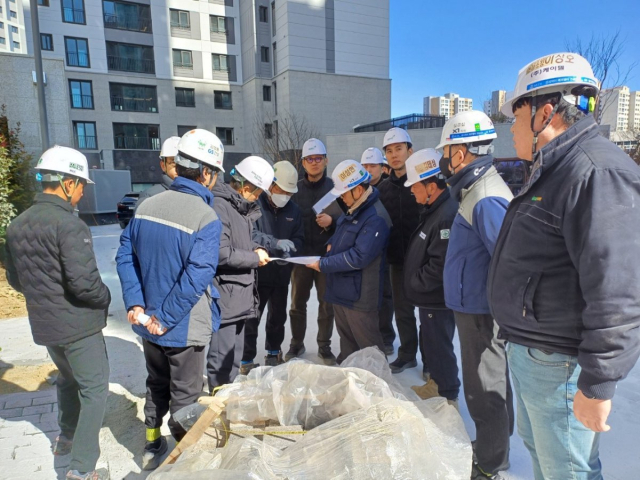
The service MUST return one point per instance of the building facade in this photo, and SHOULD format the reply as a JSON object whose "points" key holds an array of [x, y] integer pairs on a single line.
{"points": [[139, 71], [448, 105], [614, 105], [498, 97]]}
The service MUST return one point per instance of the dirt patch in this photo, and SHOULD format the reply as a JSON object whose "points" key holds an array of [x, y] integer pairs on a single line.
{"points": [[12, 303], [28, 378]]}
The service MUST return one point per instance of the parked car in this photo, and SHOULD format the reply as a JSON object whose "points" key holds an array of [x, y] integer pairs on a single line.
{"points": [[126, 207], [514, 172]]}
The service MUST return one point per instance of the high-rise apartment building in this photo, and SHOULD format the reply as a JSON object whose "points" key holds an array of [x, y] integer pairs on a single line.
{"points": [[634, 111], [498, 98], [614, 106], [447, 105], [12, 31], [139, 71]]}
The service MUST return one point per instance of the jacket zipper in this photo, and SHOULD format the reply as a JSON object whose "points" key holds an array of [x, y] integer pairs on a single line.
{"points": [[524, 298]]}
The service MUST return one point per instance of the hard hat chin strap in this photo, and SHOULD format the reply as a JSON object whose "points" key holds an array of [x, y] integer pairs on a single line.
{"points": [[64, 190], [534, 109]]}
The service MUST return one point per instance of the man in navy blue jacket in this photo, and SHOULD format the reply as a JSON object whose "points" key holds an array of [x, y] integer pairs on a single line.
{"points": [[166, 263], [354, 262], [483, 196]]}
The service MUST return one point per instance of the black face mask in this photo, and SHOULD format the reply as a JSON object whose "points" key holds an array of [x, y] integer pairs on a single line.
{"points": [[342, 205], [444, 164]]}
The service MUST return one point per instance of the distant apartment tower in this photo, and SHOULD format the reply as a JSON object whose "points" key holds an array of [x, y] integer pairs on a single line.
{"points": [[139, 71], [12, 32], [486, 107], [634, 111], [498, 98], [447, 105], [615, 108]]}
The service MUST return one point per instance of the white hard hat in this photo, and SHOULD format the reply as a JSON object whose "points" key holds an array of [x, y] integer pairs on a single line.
{"points": [[65, 161], [313, 146], [469, 127], [286, 176], [372, 156], [257, 171], [565, 73], [396, 135], [347, 175], [170, 147], [200, 147], [422, 165]]}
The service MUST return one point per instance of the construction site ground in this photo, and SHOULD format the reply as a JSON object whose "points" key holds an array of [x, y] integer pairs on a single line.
{"points": [[28, 406]]}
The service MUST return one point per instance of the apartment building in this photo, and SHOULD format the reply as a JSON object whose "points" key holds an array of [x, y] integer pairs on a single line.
{"points": [[447, 105]]}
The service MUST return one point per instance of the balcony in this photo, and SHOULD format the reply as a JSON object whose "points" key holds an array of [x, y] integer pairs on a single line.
{"points": [[126, 64], [81, 101], [133, 23], [129, 104], [73, 15], [86, 142], [136, 143]]}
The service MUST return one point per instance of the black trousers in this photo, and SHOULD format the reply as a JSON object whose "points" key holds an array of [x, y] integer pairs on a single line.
{"points": [[386, 310], [487, 388], [225, 353], [83, 387], [357, 330], [274, 297], [437, 328], [174, 381], [405, 316]]}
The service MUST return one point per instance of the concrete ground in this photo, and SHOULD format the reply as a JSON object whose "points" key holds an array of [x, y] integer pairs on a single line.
{"points": [[28, 419]]}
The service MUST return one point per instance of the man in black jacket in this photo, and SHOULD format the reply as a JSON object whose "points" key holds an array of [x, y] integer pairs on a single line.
{"points": [[423, 273], [404, 213], [279, 230], [563, 281], [317, 230], [168, 167], [50, 260]]}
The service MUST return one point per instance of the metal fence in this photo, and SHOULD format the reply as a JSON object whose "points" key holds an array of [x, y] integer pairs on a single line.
{"points": [[127, 64], [136, 143], [130, 104], [408, 122], [134, 23]]}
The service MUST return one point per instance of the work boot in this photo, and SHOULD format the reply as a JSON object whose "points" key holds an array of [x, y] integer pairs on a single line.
{"points": [[273, 360], [153, 452], [399, 365], [388, 349], [478, 474], [62, 446], [327, 357], [294, 352], [101, 474], [245, 368], [428, 390]]}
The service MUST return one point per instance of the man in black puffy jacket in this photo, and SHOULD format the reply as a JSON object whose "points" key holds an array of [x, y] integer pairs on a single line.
{"points": [[50, 260], [423, 273]]}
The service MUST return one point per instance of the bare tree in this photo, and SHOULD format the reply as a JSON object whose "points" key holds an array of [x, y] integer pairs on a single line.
{"points": [[282, 138], [604, 54]]}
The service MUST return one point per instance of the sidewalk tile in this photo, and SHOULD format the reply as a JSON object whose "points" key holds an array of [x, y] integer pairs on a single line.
{"points": [[17, 402], [37, 409], [11, 413], [44, 400]]}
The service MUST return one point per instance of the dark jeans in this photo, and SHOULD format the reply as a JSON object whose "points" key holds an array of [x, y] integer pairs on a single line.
{"points": [[225, 353], [83, 387], [276, 298], [405, 316], [357, 330], [386, 310], [437, 328], [174, 381], [487, 388], [302, 281]]}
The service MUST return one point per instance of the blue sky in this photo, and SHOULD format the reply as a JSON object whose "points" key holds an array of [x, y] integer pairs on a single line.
{"points": [[472, 48]]}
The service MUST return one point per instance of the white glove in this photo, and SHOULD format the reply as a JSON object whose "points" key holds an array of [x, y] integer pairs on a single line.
{"points": [[286, 245]]}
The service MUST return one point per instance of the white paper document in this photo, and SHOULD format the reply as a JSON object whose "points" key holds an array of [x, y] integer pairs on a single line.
{"points": [[298, 260], [324, 202]]}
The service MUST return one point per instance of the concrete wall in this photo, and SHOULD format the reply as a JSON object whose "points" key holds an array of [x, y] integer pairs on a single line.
{"points": [[342, 147]]}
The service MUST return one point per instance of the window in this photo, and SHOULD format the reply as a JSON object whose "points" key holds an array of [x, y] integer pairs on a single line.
{"points": [[133, 98], [275, 63], [1, 26], [275, 99], [16, 44], [263, 14], [43, 3], [125, 57], [46, 42], [268, 131], [264, 54], [273, 19], [266, 93], [185, 97], [136, 136], [182, 59], [13, 14], [2, 41], [85, 135], [180, 19], [77, 52], [127, 16], [73, 11], [222, 100], [225, 135], [220, 63], [182, 129], [81, 94], [217, 24], [13, 29]]}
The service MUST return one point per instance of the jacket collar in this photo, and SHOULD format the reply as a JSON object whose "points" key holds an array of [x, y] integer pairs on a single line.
{"points": [[373, 198], [53, 200], [184, 185], [397, 181], [166, 181], [429, 209], [247, 209], [309, 184], [469, 175]]}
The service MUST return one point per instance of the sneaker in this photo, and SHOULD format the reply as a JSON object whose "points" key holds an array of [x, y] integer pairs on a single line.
{"points": [[388, 349], [273, 360], [478, 474], [294, 352], [326, 356], [245, 368], [428, 390], [399, 365], [62, 446], [153, 452], [100, 474]]}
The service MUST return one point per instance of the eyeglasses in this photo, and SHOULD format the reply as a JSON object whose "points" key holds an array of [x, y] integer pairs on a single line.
{"points": [[317, 159]]}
